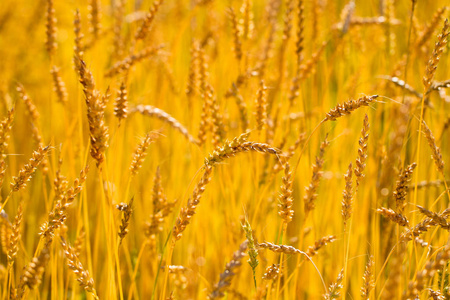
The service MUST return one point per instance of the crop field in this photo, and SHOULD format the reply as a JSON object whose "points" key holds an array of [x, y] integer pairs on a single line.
{"points": [[224, 149]]}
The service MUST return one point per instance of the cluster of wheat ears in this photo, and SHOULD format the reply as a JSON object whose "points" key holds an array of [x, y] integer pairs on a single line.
{"points": [[245, 149]]}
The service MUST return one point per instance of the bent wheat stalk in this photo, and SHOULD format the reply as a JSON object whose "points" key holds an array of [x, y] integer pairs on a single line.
{"points": [[151, 111]]}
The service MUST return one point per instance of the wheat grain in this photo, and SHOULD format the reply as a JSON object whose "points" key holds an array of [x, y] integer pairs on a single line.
{"points": [[186, 214], [368, 279], [99, 133], [347, 196], [238, 145], [5, 129], [401, 188], [437, 156], [127, 209], [152, 111], [15, 236], [393, 216], [83, 277], [362, 152], [271, 272], [28, 170], [236, 39], [279, 248], [421, 278], [311, 189], [335, 288], [129, 61], [347, 107], [121, 104], [434, 60], [58, 85], [50, 29], [427, 33], [225, 278], [320, 243], [79, 242], [286, 201], [5, 232], [141, 152], [119, 14], [94, 17], [33, 273], [79, 46], [439, 219], [192, 83], [261, 106], [143, 30]]}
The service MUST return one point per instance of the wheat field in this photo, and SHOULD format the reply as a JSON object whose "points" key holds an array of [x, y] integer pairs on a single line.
{"points": [[206, 149]]}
